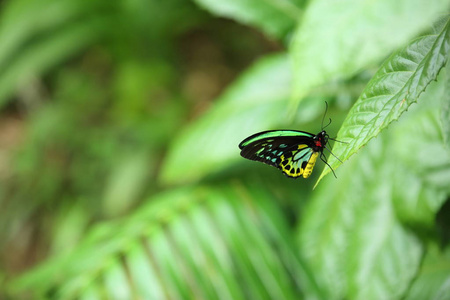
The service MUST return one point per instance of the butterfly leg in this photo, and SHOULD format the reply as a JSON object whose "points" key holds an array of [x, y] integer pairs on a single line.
{"points": [[323, 158]]}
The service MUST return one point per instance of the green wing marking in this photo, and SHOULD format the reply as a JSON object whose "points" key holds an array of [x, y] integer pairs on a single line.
{"points": [[274, 134], [299, 163]]}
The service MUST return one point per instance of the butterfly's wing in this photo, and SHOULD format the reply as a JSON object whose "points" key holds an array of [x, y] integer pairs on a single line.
{"points": [[288, 150]]}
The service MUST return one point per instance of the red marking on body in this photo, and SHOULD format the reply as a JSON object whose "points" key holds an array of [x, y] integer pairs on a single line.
{"points": [[318, 143]]}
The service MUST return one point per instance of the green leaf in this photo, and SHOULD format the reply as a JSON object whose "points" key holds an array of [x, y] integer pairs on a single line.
{"points": [[433, 280], [350, 234], [426, 170], [210, 242], [255, 102], [398, 84], [339, 38], [360, 232], [431, 164], [274, 17]]}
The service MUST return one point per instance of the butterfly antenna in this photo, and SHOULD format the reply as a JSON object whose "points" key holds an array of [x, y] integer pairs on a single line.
{"points": [[322, 157], [323, 118], [334, 155], [326, 109], [327, 124]]}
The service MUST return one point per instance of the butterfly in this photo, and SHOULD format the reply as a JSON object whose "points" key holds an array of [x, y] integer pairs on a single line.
{"points": [[293, 152]]}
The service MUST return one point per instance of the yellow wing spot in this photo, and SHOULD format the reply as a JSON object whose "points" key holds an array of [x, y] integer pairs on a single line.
{"points": [[302, 146], [294, 172], [310, 166], [288, 168]]}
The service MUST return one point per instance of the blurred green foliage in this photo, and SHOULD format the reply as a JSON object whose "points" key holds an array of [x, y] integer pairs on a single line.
{"points": [[121, 175]]}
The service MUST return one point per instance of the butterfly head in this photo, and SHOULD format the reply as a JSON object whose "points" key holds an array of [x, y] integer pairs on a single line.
{"points": [[320, 140]]}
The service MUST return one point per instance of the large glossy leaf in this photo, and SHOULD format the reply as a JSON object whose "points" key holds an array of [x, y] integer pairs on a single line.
{"points": [[219, 242], [358, 231], [433, 164], [422, 175], [274, 17], [339, 38], [399, 83], [351, 237]]}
